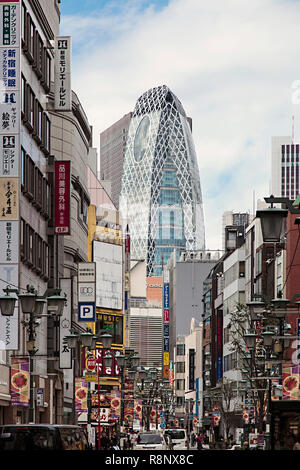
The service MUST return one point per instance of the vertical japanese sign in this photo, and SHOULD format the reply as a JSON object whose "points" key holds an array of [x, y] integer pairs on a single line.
{"points": [[219, 345], [19, 389], [65, 353], [62, 180], [10, 111], [166, 304], [62, 74], [127, 286], [86, 291]]}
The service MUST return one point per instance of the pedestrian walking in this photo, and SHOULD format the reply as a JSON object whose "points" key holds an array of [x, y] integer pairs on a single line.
{"points": [[199, 441], [115, 444], [297, 444]]}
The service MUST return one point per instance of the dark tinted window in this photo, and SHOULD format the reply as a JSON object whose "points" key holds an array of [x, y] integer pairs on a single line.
{"points": [[149, 439], [176, 434], [27, 439]]}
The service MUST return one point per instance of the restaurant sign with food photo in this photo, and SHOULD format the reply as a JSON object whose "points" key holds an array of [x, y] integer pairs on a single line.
{"points": [[19, 389], [81, 395], [290, 383]]}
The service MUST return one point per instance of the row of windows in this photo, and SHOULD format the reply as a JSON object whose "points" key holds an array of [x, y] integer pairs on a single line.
{"points": [[166, 216], [35, 50], [34, 117], [35, 186], [34, 251]]}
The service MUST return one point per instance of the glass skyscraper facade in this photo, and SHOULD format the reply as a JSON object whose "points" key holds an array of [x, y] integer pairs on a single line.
{"points": [[161, 194]]}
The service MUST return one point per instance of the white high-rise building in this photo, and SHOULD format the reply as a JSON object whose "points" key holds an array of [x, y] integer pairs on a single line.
{"points": [[285, 168]]}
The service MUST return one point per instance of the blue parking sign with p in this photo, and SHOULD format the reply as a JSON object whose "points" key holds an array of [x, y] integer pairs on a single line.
{"points": [[86, 311]]}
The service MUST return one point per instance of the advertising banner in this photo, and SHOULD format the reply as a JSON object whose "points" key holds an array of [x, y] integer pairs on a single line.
{"points": [[9, 199], [62, 74], [290, 382], [20, 381], [166, 296], [81, 395], [9, 148], [115, 404], [109, 271], [9, 236], [113, 371], [138, 410], [62, 193], [9, 277], [219, 345], [153, 416]]}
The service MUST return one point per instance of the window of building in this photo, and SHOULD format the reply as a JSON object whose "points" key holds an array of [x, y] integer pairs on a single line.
{"points": [[180, 349], [179, 401], [23, 96], [180, 367], [180, 384], [112, 324]]}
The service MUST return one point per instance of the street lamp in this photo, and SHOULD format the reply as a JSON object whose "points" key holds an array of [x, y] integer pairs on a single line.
{"points": [[123, 361], [272, 223], [32, 305], [106, 340]]}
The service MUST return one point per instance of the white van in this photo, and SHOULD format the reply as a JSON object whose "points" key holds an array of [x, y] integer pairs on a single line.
{"points": [[179, 439]]}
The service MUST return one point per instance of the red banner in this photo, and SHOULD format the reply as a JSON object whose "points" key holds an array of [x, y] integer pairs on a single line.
{"points": [[62, 180]]}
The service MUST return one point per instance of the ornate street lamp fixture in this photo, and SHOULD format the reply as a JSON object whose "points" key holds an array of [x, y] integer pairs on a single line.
{"points": [[257, 309], [56, 304], [280, 306], [87, 339], [72, 340], [250, 339], [272, 223], [7, 305], [27, 302], [268, 338], [106, 340]]}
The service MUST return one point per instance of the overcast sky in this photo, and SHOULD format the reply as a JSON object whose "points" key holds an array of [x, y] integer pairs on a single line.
{"points": [[232, 63]]}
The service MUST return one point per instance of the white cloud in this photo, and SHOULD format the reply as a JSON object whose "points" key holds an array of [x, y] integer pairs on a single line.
{"points": [[231, 64]]}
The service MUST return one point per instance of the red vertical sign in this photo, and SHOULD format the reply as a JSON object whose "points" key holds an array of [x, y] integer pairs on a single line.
{"points": [[62, 179]]}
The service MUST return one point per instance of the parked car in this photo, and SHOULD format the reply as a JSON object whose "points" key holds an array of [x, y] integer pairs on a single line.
{"points": [[178, 437], [42, 437], [150, 440]]}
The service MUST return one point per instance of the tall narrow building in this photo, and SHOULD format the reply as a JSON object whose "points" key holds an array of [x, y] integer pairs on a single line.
{"points": [[112, 153], [285, 168], [161, 196]]}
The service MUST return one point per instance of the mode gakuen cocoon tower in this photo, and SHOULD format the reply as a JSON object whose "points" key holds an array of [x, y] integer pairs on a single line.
{"points": [[161, 196]]}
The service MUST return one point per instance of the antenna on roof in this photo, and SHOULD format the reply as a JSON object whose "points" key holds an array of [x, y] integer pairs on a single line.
{"points": [[293, 129]]}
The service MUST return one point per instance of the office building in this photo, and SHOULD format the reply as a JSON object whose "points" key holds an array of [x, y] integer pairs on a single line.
{"points": [[112, 153], [161, 194], [285, 168]]}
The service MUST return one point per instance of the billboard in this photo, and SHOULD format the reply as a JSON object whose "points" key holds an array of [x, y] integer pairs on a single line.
{"points": [[109, 287]]}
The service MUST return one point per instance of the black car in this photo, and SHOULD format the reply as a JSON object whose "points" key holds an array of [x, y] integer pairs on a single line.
{"points": [[42, 437]]}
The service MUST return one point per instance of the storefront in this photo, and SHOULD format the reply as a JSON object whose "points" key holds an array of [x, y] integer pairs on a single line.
{"points": [[285, 426]]}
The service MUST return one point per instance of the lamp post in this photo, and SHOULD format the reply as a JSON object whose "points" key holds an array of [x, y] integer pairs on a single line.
{"points": [[106, 340], [86, 340], [130, 361], [32, 305]]}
